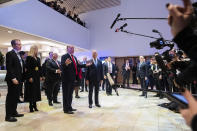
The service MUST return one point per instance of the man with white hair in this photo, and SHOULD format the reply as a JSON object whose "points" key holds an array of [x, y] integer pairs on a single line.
{"points": [[94, 78], [53, 75], [142, 72]]}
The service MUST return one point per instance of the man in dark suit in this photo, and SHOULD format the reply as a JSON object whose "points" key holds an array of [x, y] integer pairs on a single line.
{"points": [[134, 70], [53, 73], [126, 68], [14, 76], [44, 70], [70, 74], [109, 68], [142, 72], [94, 78]]}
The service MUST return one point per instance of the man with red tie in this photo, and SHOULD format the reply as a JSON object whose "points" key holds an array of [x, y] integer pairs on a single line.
{"points": [[70, 74]]}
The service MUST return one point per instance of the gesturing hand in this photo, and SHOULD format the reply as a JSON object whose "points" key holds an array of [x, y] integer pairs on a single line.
{"points": [[179, 17], [30, 80], [88, 64], [68, 61], [58, 71], [15, 82], [189, 113]]}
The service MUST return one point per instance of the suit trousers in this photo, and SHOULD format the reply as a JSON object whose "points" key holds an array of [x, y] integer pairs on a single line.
{"points": [[93, 85], [104, 84], [126, 77], [143, 85], [67, 88], [52, 89], [83, 81], [12, 98]]}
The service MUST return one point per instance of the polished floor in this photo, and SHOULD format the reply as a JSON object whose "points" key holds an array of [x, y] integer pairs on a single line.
{"points": [[127, 112]]}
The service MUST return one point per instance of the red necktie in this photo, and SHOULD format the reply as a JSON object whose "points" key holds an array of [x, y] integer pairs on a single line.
{"points": [[74, 64]]}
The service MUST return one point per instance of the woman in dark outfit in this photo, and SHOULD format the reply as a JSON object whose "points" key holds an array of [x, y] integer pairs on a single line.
{"points": [[33, 77]]}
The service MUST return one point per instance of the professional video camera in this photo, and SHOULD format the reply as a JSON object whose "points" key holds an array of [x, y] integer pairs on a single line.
{"points": [[160, 44]]}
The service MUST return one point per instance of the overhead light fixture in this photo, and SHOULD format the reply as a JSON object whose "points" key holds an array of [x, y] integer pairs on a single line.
{"points": [[10, 32]]}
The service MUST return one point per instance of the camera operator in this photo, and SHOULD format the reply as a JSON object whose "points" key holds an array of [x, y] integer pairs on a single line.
{"points": [[179, 19], [163, 74]]}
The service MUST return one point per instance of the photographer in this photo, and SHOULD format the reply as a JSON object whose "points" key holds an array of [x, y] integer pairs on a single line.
{"points": [[179, 19]]}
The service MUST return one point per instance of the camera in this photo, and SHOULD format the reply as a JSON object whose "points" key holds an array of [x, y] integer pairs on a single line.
{"points": [[158, 44]]}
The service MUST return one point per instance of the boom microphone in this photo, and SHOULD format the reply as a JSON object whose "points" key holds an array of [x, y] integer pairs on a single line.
{"points": [[155, 31], [121, 28], [115, 21]]}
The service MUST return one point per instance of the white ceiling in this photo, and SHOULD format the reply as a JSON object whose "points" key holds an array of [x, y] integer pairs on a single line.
{"points": [[45, 45]]}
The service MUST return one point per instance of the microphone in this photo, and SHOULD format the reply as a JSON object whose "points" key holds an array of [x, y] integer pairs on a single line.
{"points": [[155, 31], [123, 26], [115, 21]]}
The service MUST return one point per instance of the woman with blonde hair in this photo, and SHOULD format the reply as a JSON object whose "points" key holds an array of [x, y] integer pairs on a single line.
{"points": [[33, 77]]}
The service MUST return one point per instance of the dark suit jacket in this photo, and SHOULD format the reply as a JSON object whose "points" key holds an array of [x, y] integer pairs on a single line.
{"points": [[106, 69], [95, 73], [51, 67], [69, 72], [142, 71], [124, 70], [13, 65]]}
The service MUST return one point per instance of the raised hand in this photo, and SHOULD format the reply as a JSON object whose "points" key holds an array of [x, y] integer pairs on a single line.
{"points": [[189, 113], [68, 61], [179, 17]]}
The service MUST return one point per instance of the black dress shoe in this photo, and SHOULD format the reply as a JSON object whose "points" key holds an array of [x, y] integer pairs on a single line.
{"points": [[142, 95], [73, 109], [18, 115], [90, 106], [77, 97], [10, 119], [56, 102], [81, 90], [36, 109], [68, 112], [50, 103], [117, 93], [98, 105], [86, 90], [31, 109]]}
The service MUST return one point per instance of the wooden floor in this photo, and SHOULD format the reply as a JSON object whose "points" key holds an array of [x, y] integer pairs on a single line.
{"points": [[127, 112]]}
